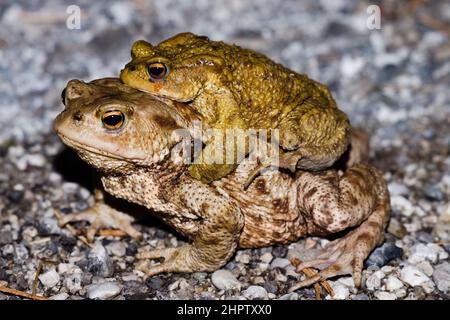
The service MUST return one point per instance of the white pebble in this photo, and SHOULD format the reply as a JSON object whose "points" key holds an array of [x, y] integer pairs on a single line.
{"points": [[279, 263], [50, 278], [426, 267], [393, 283], [117, 249], [431, 252], [103, 291], [373, 282], [266, 257], [242, 257], [341, 292], [441, 276], [383, 295], [413, 276], [397, 189], [255, 293], [225, 280], [289, 296], [36, 160], [402, 205], [60, 296]]}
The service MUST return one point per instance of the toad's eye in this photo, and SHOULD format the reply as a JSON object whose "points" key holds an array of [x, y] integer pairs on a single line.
{"points": [[157, 71], [63, 96], [113, 119]]}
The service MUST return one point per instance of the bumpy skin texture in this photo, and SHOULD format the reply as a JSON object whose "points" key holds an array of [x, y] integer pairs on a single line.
{"points": [[135, 164], [234, 87]]}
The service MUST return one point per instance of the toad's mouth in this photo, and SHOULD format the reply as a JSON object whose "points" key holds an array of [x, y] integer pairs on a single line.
{"points": [[80, 146]]}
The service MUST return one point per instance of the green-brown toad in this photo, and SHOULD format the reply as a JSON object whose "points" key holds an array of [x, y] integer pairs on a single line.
{"points": [[234, 87]]}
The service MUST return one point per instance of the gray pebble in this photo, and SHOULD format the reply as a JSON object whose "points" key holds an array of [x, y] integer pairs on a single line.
{"points": [[99, 263], [382, 255], [50, 278], [441, 276], [155, 283], [279, 263], [103, 291], [225, 280], [289, 296], [255, 293]]}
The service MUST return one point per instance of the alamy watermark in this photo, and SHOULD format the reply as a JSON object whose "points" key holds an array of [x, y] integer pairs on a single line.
{"points": [[373, 21], [73, 21]]}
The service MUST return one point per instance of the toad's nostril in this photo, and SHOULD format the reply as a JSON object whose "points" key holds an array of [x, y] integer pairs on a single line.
{"points": [[77, 116]]}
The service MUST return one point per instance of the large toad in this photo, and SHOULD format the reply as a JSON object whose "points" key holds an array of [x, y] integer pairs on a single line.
{"points": [[234, 87], [130, 136]]}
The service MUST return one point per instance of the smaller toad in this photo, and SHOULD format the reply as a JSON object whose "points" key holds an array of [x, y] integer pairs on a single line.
{"points": [[237, 88]]}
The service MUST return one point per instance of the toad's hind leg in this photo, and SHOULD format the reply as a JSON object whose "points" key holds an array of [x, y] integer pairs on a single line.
{"points": [[331, 204]]}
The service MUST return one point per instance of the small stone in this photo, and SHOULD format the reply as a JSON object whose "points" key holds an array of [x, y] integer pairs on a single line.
{"points": [[402, 205], [441, 277], [15, 195], [99, 263], [347, 281], [266, 257], [433, 192], [73, 276], [442, 227], [413, 276], [341, 292], [255, 293], [69, 187], [103, 291], [155, 283], [397, 189], [396, 228], [373, 282], [393, 283], [36, 160], [20, 253], [134, 289], [50, 278], [225, 280], [60, 296], [289, 296], [383, 295], [361, 296], [382, 255], [117, 249], [242, 257], [426, 267], [279, 263], [401, 293], [431, 252], [174, 285], [200, 276], [48, 226]]}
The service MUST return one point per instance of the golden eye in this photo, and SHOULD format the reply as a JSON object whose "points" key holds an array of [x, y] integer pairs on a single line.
{"points": [[157, 71], [113, 119]]}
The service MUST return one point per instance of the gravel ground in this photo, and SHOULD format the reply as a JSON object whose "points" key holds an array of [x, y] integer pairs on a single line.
{"points": [[394, 82]]}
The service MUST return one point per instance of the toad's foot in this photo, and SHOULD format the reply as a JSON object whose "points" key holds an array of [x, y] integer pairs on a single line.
{"points": [[180, 259], [310, 273], [102, 216], [346, 255]]}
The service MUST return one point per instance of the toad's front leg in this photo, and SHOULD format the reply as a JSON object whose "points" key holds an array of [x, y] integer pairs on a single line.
{"points": [[215, 240], [330, 203]]}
